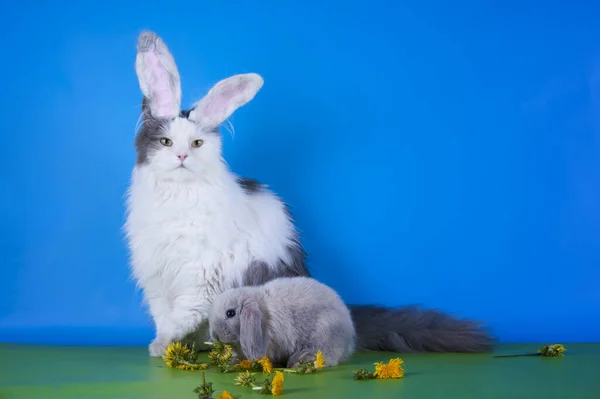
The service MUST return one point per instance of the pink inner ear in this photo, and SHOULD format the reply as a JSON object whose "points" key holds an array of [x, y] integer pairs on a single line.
{"points": [[221, 101], [161, 90]]}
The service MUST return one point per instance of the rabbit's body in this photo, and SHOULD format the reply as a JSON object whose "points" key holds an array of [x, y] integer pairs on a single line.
{"points": [[286, 319]]}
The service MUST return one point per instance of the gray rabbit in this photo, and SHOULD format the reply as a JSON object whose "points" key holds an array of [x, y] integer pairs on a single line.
{"points": [[287, 319]]}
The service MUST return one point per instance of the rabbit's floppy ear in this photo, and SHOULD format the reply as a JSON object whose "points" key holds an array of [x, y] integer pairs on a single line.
{"points": [[225, 97], [158, 76], [252, 336]]}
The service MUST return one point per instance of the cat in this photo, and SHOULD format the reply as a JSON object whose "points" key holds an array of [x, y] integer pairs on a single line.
{"points": [[195, 229]]}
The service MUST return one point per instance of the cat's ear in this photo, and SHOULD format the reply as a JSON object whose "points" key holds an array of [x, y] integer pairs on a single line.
{"points": [[225, 97], [158, 76]]}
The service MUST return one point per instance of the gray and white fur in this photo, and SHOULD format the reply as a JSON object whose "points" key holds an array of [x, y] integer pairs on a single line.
{"points": [[286, 319], [195, 229]]}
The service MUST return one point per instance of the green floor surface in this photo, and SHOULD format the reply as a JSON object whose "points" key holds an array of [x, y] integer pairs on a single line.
{"points": [[31, 372]]}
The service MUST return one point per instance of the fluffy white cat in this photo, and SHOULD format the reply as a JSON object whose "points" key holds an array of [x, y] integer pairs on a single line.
{"points": [[195, 229]]}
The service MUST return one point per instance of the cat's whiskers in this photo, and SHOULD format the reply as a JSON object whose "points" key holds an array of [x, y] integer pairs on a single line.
{"points": [[138, 124], [231, 130]]}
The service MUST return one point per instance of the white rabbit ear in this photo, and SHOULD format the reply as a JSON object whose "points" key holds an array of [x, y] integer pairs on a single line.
{"points": [[158, 76], [225, 97], [252, 337]]}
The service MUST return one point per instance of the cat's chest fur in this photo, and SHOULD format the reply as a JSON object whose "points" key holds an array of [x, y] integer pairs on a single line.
{"points": [[184, 234]]}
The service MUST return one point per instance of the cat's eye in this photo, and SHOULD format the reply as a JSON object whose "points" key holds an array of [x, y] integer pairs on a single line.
{"points": [[166, 142], [230, 313], [197, 143]]}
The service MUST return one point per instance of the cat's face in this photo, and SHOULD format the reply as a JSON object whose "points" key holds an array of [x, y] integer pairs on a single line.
{"points": [[182, 145], [178, 148]]}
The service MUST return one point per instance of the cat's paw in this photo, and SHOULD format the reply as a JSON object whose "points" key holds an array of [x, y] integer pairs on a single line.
{"points": [[158, 347]]}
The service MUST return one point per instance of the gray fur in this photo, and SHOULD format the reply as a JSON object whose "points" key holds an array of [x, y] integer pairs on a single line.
{"points": [[294, 265], [153, 129], [250, 186], [253, 340], [286, 319], [403, 330], [410, 329], [258, 273], [146, 41], [150, 133]]}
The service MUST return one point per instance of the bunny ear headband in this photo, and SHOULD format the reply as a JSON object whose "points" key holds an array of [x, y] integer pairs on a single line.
{"points": [[160, 84]]}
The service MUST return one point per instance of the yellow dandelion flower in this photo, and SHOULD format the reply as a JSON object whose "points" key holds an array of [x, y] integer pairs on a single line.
{"points": [[277, 384], [220, 352], [554, 350], [182, 357], [245, 379], [245, 364], [266, 365], [225, 395], [392, 369], [176, 350], [319, 360]]}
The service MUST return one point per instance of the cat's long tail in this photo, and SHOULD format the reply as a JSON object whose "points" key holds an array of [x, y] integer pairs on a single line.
{"points": [[411, 329]]}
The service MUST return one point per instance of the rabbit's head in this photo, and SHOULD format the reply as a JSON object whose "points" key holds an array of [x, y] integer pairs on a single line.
{"points": [[237, 318], [182, 144]]}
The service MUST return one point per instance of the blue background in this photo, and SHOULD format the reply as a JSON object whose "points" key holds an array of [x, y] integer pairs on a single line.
{"points": [[443, 153]]}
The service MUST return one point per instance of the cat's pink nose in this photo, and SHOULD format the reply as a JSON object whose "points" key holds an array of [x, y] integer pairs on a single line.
{"points": [[182, 157]]}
